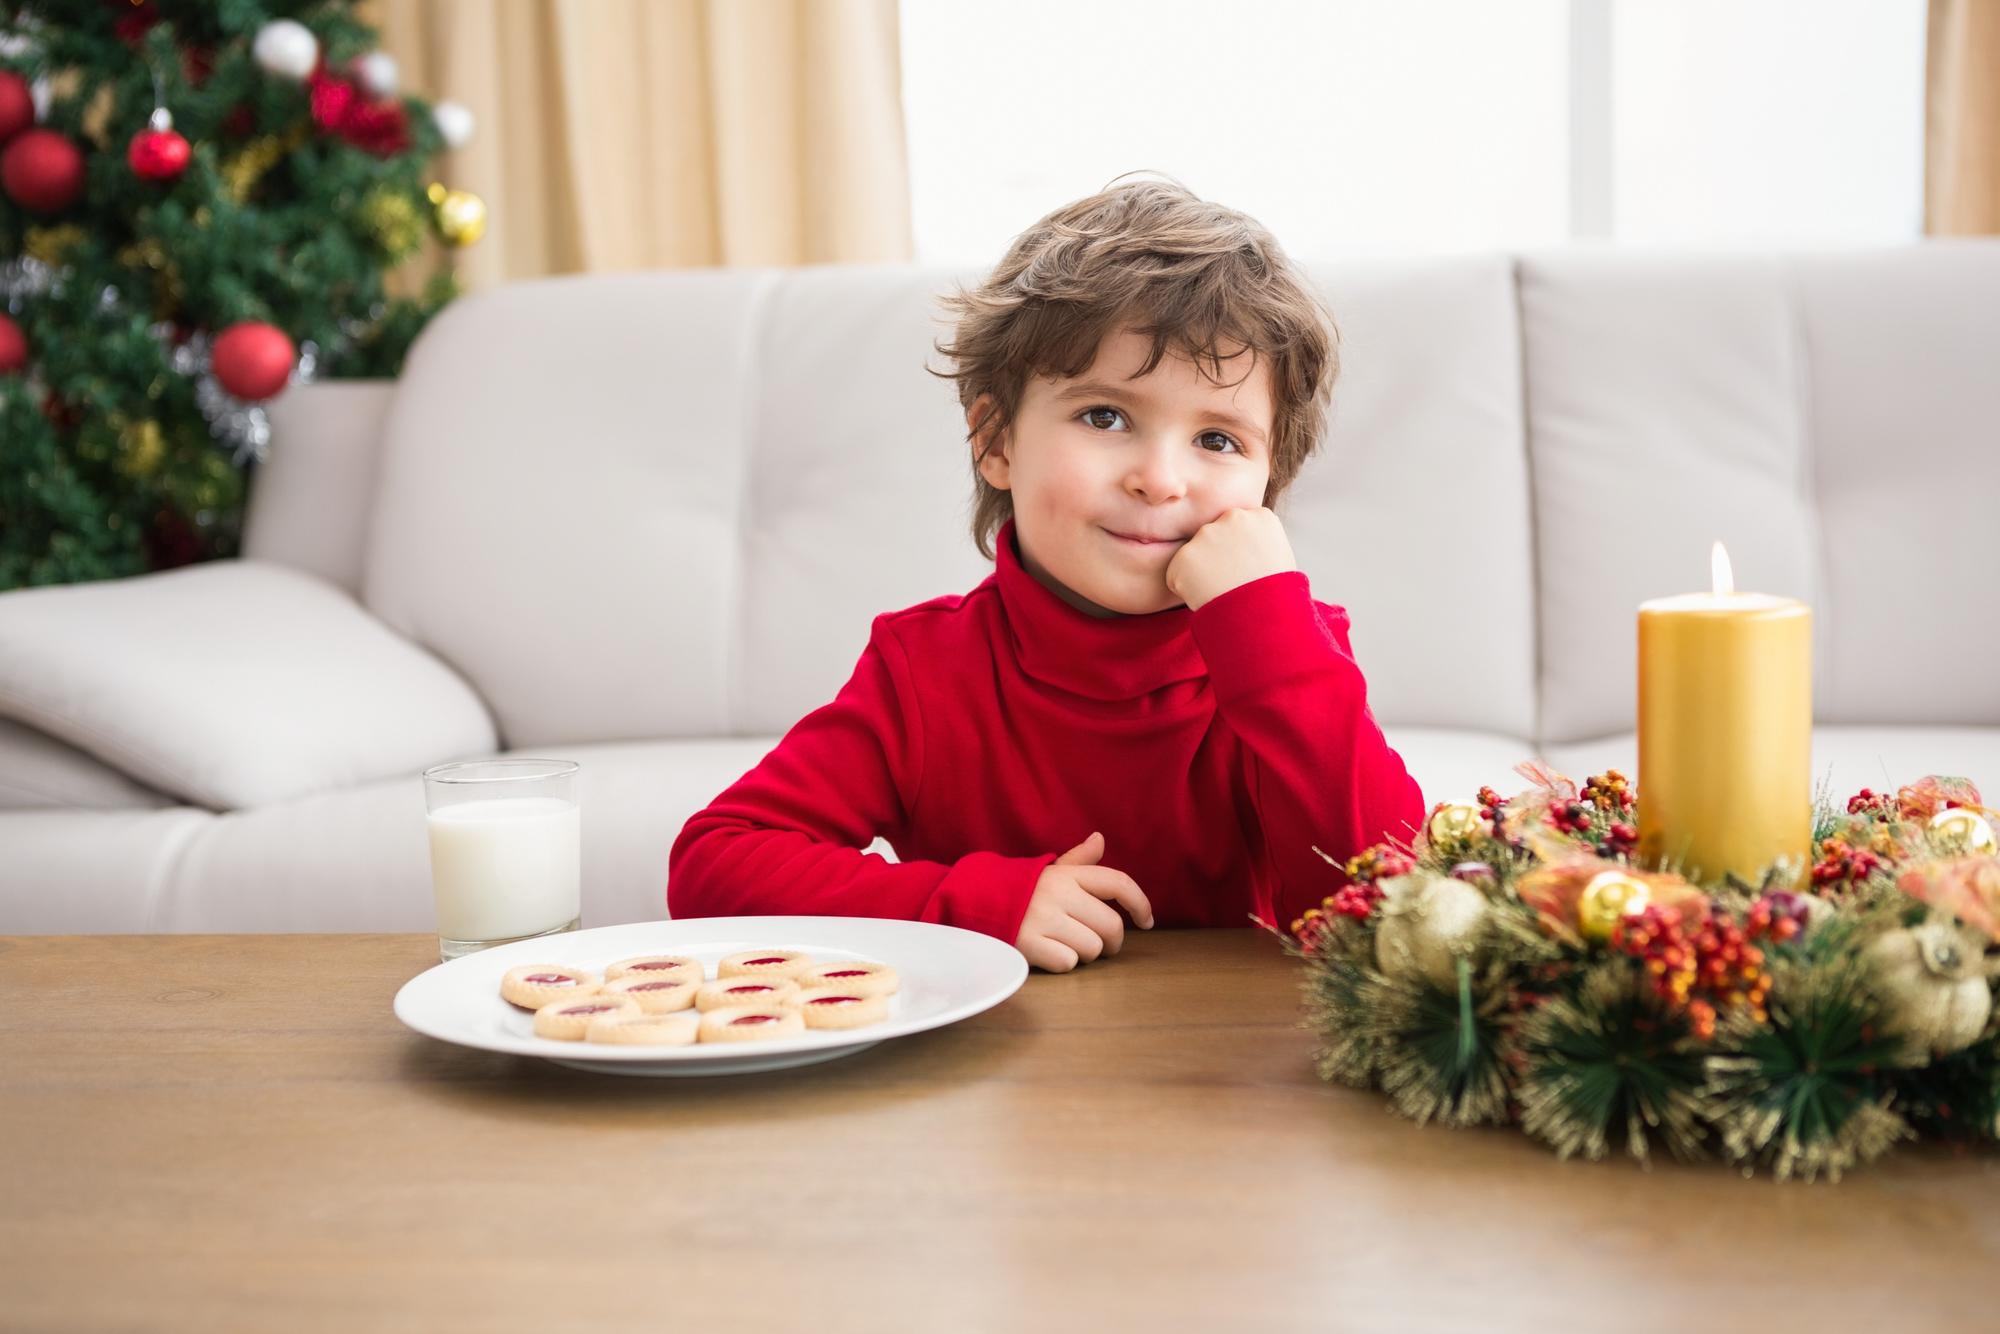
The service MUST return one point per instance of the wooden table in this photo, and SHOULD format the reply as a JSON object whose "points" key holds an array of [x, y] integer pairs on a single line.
{"points": [[234, 1132]]}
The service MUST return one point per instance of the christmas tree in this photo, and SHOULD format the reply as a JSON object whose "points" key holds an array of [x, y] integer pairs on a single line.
{"points": [[199, 205]]}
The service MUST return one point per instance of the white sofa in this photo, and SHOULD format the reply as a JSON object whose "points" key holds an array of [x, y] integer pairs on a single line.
{"points": [[642, 521]]}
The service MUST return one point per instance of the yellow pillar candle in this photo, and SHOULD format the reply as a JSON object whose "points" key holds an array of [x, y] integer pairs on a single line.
{"points": [[1725, 731]]}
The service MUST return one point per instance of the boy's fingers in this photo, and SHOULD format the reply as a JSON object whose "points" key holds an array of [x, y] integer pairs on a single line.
{"points": [[1101, 918], [1068, 931], [1050, 955], [1084, 853], [1108, 883]]}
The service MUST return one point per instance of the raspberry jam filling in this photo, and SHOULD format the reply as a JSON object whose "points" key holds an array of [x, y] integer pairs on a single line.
{"points": [[589, 1009], [550, 980], [775, 958], [755, 1019], [849, 972], [656, 986], [653, 964], [834, 1000], [743, 991]]}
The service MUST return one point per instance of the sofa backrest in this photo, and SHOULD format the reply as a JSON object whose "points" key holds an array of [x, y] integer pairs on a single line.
{"points": [[1834, 418], [669, 504]]}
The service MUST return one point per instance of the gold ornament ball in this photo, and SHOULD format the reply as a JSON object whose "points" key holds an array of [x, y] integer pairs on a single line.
{"points": [[393, 221], [461, 215], [144, 447], [1455, 824], [1965, 831], [1609, 896]]}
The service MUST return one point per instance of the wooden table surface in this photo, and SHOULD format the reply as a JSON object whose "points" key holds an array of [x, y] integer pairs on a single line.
{"points": [[234, 1132]]}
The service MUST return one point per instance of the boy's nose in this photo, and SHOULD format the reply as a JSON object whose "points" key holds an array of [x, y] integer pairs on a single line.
{"points": [[1156, 473]]}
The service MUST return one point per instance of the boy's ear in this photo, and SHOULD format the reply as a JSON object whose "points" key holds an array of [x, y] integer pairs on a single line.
{"points": [[988, 454]]}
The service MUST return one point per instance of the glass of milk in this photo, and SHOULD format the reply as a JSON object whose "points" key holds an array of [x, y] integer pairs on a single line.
{"points": [[505, 857]]}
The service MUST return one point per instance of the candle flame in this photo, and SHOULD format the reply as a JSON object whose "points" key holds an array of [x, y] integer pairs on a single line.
{"points": [[1722, 578]]}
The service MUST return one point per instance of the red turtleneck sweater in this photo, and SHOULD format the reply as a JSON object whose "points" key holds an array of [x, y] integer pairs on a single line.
{"points": [[983, 735]]}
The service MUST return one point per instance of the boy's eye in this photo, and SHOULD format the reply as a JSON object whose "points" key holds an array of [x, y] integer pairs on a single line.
{"points": [[1107, 418]]}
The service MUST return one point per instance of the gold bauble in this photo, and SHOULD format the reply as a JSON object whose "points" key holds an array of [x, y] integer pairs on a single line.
{"points": [[1965, 832], [393, 221], [1455, 824], [142, 447], [1609, 896], [461, 215]]}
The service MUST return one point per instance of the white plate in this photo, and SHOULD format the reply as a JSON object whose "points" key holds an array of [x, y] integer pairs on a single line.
{"points": [[946, 974]]}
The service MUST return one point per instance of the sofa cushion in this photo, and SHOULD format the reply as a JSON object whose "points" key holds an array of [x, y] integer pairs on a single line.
{"points": [[1903, 403], [39, 772], [230, 684], [1663, 399]]}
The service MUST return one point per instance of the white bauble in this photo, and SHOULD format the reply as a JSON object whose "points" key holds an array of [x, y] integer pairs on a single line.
{"points": [[377, 74], [1426, 925], [455, 123], [286, 48]]}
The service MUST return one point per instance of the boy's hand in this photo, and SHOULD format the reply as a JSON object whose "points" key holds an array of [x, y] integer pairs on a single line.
{"points": [[1228, 552], [1068, 922]]}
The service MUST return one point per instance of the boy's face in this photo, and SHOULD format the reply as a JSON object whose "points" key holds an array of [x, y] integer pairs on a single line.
{"points": [[1097, 461]]}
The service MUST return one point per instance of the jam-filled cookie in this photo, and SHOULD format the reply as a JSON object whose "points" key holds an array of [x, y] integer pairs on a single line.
{"points": [[856, 975], [750, 1023], [569, 1020], [656, 995], [656, 965], [658, 1030], [765, 963], [533, 985], [740, 990], [839, 1007]]}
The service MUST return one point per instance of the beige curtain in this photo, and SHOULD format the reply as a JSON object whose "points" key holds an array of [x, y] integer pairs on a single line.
{"points": [[622, 134], [1962, 120]]}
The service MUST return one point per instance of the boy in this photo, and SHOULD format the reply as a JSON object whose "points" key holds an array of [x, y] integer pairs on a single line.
{"points": [[1143, 705]]}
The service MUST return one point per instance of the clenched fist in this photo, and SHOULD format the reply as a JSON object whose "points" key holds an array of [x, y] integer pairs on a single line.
{"points": [[1227, 552], [1068, 920]]}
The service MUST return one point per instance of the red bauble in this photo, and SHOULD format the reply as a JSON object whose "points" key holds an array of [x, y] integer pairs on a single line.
{"points": [[13, 347], [17, 105], [158, 155], [42, 171], [252, 360]]}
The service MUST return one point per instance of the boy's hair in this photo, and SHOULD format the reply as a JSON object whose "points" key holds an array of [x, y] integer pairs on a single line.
{"points": [[1148, 255]]}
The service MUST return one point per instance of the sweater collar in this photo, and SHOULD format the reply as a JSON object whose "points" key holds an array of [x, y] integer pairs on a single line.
{"points": [[1100, 657]]}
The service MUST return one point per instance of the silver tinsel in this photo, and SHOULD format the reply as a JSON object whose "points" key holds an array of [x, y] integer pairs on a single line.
{"points": [[23, 278]]}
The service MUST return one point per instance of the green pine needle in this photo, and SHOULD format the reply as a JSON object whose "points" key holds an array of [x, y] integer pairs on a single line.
{"points": [[1613, 1063]]}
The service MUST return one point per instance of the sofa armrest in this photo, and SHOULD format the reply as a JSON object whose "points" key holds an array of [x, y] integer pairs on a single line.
{"points": [[231, 684]]}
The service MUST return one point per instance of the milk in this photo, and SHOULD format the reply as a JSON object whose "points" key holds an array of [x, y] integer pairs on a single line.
{"points": [[504, 868]]}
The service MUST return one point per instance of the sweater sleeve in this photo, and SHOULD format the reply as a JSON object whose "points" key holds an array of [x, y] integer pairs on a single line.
{"points": [[1286, 683], [787, 837]]}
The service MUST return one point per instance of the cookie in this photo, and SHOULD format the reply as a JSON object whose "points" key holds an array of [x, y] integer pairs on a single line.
{"points": [[656, 965], [660, 1030], [656, 995], [839, 1007], [750, 1023], [569, 1020], [856, 975], [743, 991], [533, 985], [765, 963]]}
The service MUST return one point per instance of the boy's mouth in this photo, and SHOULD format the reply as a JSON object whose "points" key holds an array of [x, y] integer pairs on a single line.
{"points": [[1143, 542]]}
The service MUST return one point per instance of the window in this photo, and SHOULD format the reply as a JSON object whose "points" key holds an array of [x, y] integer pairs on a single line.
{"points": [[1432, 125]]}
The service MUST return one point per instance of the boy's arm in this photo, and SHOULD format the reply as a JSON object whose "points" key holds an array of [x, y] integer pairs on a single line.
{"points": [[1287, 684], [787, 836]]}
